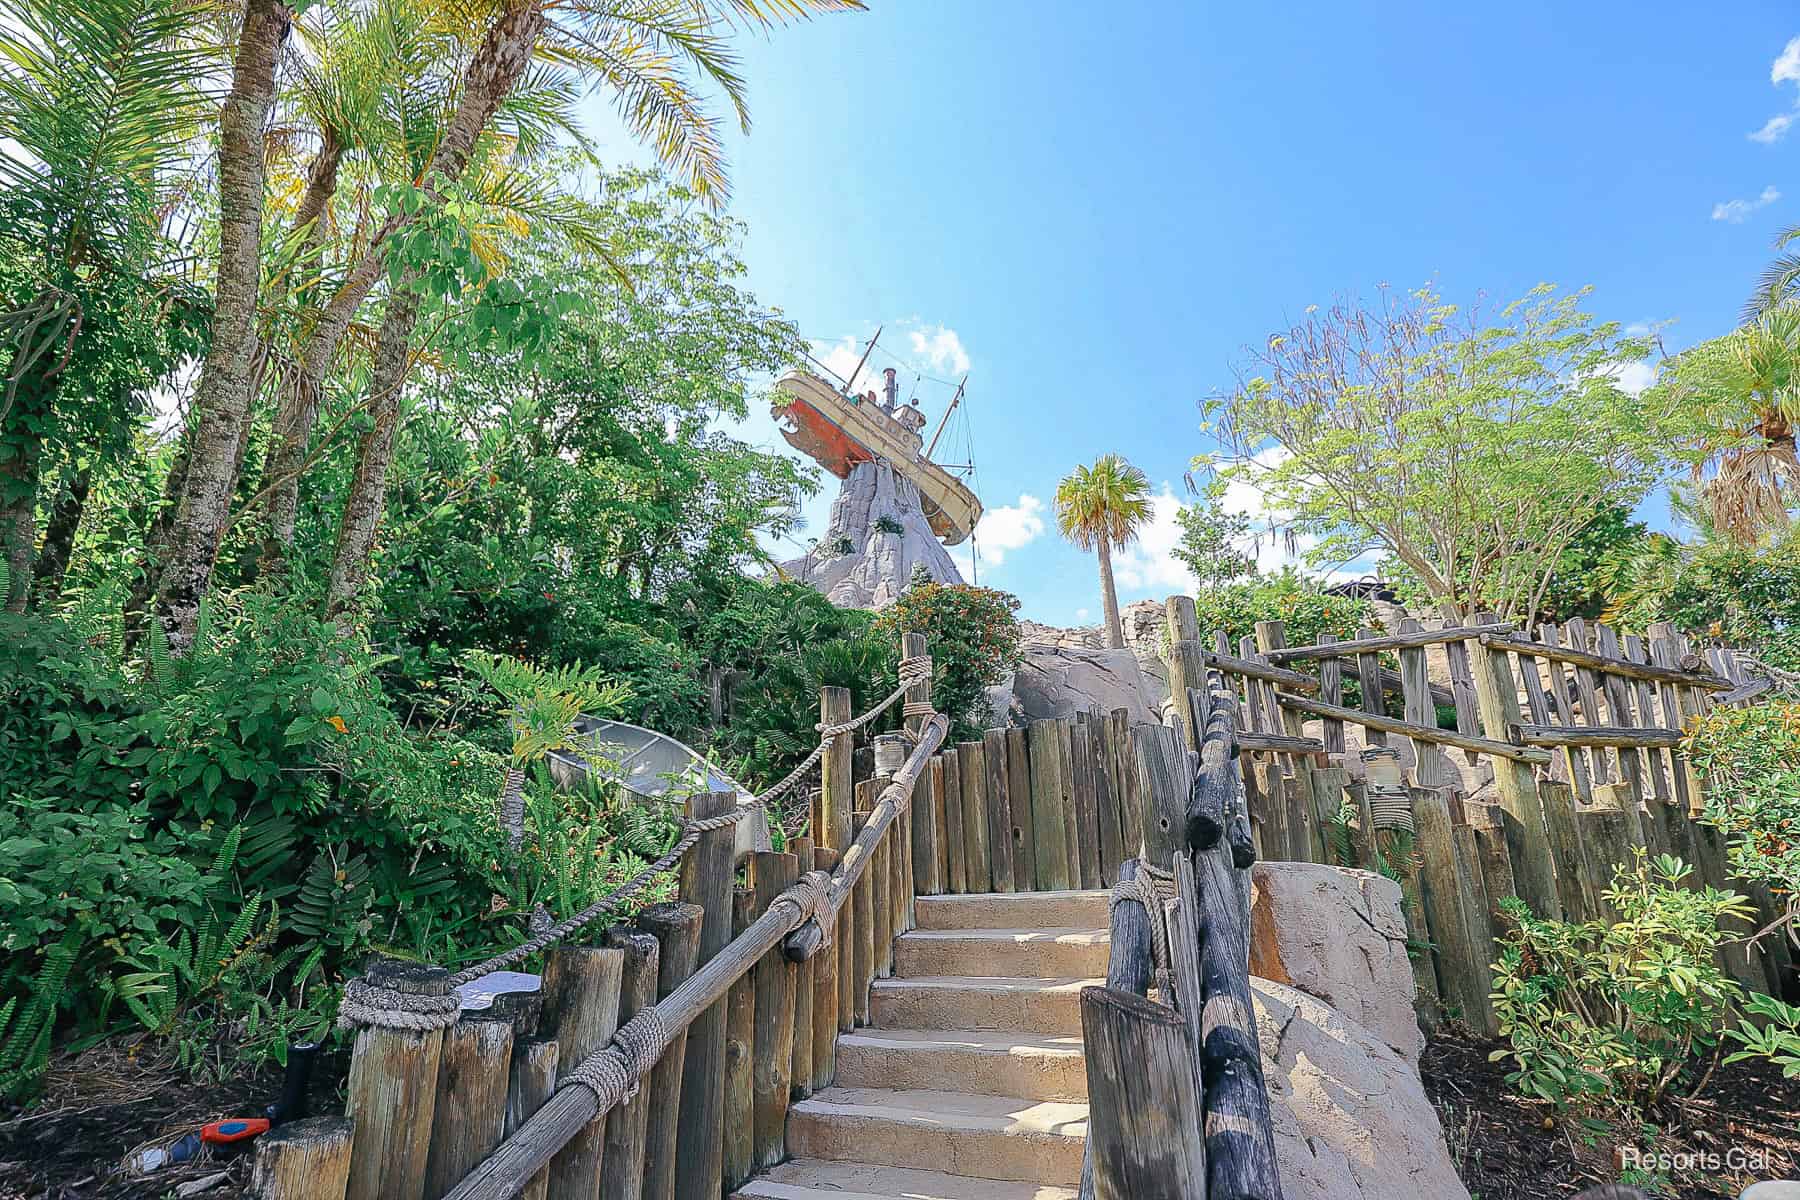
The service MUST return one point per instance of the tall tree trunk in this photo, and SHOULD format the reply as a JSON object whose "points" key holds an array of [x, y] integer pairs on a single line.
{"points": [[368, 488], [222, 399], [18, 519], [298, 407], [1109, 597], [497, 65], [59, 540]]}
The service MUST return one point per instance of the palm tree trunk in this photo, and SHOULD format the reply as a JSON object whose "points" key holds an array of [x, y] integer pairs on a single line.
{"points": [[223, 396], [59, 540], [1109, 597], [497, 65], [18, 520], [368, 488], [298, 408]]}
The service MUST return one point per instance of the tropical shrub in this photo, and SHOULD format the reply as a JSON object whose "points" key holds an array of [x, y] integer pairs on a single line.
{"points": [[1603, 1021], [1299, 601], [1727, 594], [1751, 760], [973, 637]]}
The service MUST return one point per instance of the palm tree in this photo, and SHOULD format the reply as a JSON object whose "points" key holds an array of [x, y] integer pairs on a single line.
{"points": [[1743, 393], [1780, 280], [1100, 507], [98, 102]]}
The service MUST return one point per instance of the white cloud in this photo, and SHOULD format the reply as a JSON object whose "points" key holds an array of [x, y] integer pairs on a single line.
{"points": [[1009, 527], [1785, 69], [941, 348], [1737, 211], [1635, 377], [1082, 614], [1149, 564]]}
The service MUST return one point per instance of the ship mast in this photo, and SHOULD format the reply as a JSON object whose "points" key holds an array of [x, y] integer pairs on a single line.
{"points": [[954, 401]]}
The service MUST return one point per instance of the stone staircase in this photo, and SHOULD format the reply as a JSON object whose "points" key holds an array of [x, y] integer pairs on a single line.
{"points": [[970, 1083]]}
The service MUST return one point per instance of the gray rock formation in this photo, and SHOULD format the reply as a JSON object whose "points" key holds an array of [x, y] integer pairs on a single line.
{"points": [[1060, 681], [876, 535]]}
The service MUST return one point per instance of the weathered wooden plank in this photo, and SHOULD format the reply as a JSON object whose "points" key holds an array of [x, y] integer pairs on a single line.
{"points": [[1282, 743], [998, 791], [1618, 703], [836, 774], [1575, 759], [1597, 735], [1563, 833], [1445, 737], [1375, 644], [581, 1010], [533, 1078], [1461, 971], [622, 1162], [1478, 913], [302, 1160], [1124, 768], [1533, 872], [1430, 770], [1577, 656], [954, 838], [1606, 845], [1488, 825], [1106, 801], [1462, 684], [825, 989], [740, 1052], [392, 1092], [928, 880], [800, 1073], [1046, 808], [1331, 691], [1065, 751], [772, 1067], [1018, 784], [1663, 651], [1141, 1151], [972, 766], [706, 878], [1087, 805], [1186, 658], [1368, 678], [676, 928]]}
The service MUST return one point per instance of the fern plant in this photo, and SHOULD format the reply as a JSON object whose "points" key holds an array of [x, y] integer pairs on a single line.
{"points": [[25, 1027]]}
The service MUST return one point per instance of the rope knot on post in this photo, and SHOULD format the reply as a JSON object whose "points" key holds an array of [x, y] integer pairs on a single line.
{"points": [[1150, 888], [370, 1006], [812, 893]]}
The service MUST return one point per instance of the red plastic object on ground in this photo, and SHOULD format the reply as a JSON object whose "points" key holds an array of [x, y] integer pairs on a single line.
{"points": [[239, 1129]]}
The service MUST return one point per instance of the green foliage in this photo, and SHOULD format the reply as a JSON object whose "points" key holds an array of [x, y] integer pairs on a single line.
{"points": [[1730, 595], [1473, 451], [26, 1022], [1776, 1038], [545, 701], [1604, 1020], [973, 638], [1751, 760], [1288, 596], [1212, 540]]}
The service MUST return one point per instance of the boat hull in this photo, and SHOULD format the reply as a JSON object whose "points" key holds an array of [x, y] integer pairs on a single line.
{"points": [[839, 433]]}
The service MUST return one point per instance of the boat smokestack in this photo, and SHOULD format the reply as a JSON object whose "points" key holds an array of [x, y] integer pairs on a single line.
{"points": [[891, 388]]}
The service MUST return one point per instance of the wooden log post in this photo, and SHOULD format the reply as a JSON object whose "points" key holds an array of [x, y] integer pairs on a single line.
{"points": [[532, 1079], [1477, 915], [956, 840], [939, 774], [999, 809], [1462, 975], [1124, 767], [1578, 901], [800, 1072], [581, 1011], [1368, 682], [392, 1092], [825, 988], [771, 874], [832, 825], [1606, 846], [1106, 801], [863, 946], [927, 832], [303, 1160], [1087, 804], [1619, 705], [706, 877], [1400, 851], [1487, 823], [971, 761], [1331, 691], [740, 1050], [1048, 838], [622, 1162], [1144, 1106], [1065, 752], [1186, 660], [1534, 871], [470, 1117], [881, 931], [1018, 792], [676, 928], [913, 645], [1430, 770]]}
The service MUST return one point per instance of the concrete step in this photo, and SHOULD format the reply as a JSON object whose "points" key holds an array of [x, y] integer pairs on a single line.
{"points": [[989, 1063], [989, 1137], [1014, 910], [1025, 953], [813, 1179], [1024, 1005]]}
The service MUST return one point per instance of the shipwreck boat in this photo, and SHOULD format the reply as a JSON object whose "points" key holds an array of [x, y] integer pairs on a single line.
{"points": [[839, 431]]}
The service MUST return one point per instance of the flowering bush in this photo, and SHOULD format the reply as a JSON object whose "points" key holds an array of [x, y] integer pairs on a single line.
{"points": [[973, 637]]}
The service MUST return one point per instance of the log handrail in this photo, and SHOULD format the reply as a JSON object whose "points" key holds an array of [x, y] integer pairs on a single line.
{"points": [[1419, 733], [1387, 641], [1697, 678], [1625, 736], [512, 1164]]}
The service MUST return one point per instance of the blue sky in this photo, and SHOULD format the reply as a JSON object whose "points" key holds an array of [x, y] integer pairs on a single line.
{"points": [[1094, 217]]}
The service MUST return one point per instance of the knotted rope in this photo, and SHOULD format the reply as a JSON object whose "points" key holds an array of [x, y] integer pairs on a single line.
{"points": [[369, 1005], [614, 1071], [1150, 888]]}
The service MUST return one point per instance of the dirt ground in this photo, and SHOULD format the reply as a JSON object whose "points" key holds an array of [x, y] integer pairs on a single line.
{"points": [[98, 1110], [1505, 1150]]}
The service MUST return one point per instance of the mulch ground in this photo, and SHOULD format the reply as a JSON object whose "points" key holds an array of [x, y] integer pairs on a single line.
{"points": [[99, 1109], [1505, 1149]]}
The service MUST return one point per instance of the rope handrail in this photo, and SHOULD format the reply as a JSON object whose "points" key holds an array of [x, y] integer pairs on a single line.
{"points": [[370, 1005]]}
